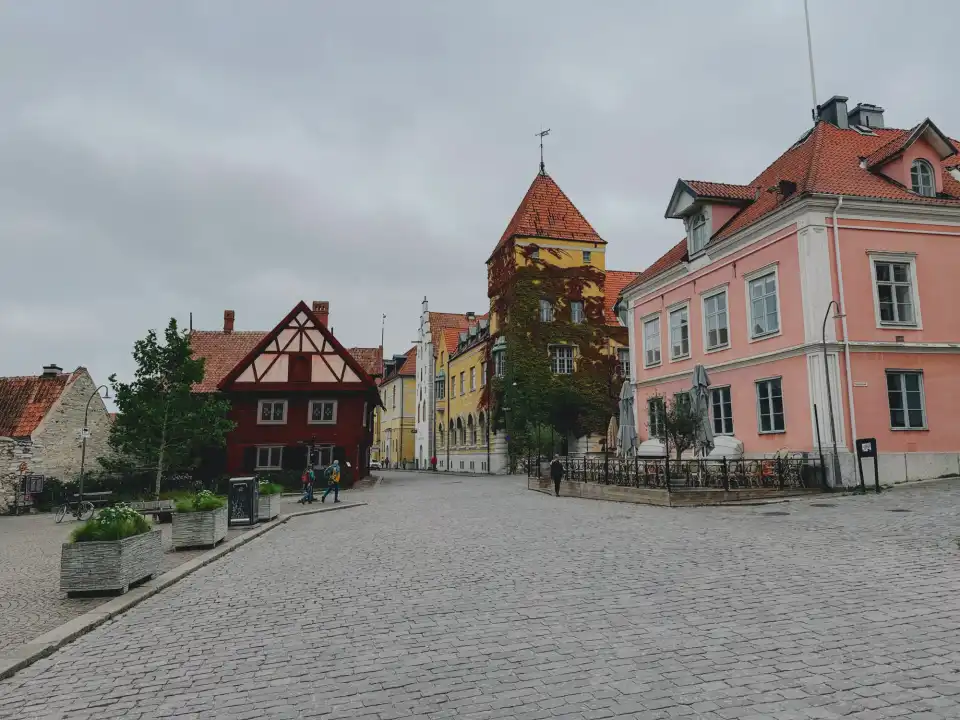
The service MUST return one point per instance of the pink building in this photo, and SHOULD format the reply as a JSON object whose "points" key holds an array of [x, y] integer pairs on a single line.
{"points": [[853, 212]]}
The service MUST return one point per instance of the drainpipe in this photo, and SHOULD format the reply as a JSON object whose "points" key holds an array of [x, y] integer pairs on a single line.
{"points": [[448, 391], [843, 320]]}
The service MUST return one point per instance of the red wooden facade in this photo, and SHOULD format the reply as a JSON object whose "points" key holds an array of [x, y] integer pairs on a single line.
{"points": [[293, 388]]}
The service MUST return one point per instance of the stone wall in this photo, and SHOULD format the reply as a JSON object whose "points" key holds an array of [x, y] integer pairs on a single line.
{"points": [[12, 453], [59, 433]]}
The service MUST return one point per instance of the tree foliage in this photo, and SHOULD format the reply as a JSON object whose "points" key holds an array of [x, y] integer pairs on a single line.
{"points": [[680, 423], [162, 424]]}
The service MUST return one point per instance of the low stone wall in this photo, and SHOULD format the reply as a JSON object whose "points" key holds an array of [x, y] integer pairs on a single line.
{"points": [[110, 565], [655, 496]]}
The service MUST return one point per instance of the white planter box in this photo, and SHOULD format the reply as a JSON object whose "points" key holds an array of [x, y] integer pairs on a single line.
{"points": [[268, 507], [193, 529], [110, 564]]}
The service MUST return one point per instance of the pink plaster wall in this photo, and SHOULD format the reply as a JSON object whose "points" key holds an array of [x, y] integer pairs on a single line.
{"points": [[722, 215], [899, 168]]}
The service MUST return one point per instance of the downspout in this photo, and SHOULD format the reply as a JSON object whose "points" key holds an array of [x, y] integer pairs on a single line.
{"points": [[400, 453], [843, 320], [448, 391]]}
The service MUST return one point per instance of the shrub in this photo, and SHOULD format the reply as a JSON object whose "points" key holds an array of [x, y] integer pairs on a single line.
{"points": [[112, 523], [203, 501], [270, 488]]}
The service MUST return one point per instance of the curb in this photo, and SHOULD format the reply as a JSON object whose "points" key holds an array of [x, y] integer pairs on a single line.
{"points": [[18, 657]]}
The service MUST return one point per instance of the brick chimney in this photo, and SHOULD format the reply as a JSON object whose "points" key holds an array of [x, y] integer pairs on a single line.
{"points": [[321, 308], [51, 371], [228, 316]]}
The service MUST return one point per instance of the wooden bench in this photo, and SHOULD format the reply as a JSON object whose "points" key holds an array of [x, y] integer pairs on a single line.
{"points": [[94, 498], [162, 510]]}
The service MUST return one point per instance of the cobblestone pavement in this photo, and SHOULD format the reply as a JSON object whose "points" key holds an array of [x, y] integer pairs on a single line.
{"points": [[475, 598], [30, 599]]}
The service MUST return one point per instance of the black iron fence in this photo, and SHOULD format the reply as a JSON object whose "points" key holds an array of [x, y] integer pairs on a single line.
{"points": [[777, 473]]}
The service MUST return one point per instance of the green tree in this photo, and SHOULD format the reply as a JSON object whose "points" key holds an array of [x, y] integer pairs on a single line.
{"points": [[679, 423], [162, 423]]}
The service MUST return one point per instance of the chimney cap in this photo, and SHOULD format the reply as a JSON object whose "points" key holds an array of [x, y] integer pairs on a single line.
{"points": [[51, 370]]}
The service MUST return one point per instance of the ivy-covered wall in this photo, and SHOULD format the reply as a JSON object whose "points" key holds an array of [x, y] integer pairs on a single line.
{"points": [[530, 393]]}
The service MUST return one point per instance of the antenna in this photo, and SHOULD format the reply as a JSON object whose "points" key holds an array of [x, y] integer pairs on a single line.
{"points": [[383, 325], [813, 79], [542, 134]]}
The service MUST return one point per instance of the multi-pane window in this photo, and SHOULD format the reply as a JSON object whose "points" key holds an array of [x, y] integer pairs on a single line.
{"points": [[500, 363], [681, 399], [921, 178], [770, 406], [623, 359], [905, 395], [323, 411], [679, 333], [546, 310], [576, 312], [269, 457], [894, 292], [441, 386], [394, 402], [483, 374], [561, 359], [715, 320], [651, 342], [586, 257], [698, 232], [764, 315], [656, 412], [721, 411], [473, 378], [272, 412], [462, 383]]}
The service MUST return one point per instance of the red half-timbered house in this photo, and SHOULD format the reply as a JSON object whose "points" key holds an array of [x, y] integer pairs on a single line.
{"points": [[292, 389]]}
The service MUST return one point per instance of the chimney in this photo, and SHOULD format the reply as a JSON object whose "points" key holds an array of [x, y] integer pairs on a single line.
{"points": [[51, 371], [867, 115], [834, 111], [321, 308], [228, 316]]}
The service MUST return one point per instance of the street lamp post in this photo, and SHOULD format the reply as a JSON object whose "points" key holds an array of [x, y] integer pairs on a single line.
{"points": [[826, 372], [84, 432]]}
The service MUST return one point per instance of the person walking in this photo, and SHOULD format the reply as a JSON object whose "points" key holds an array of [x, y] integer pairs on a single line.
{"points": [[332, 476], [556, 472], [308, 478]]}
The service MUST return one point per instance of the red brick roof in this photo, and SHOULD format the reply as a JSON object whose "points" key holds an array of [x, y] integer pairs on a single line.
{"points": [[546, 212], [721, 190], [616, 280], [409, 367], [221, 351], [828, 162], [440, 323], [25, 401], [370, 359]]}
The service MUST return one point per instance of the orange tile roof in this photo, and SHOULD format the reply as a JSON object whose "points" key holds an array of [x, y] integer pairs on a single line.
{"points": [[221, 351], [441, 322], [721, 190], [26, 400], [370, 359], [409, 367], [615, 281], [546, 212], [672, 257]]}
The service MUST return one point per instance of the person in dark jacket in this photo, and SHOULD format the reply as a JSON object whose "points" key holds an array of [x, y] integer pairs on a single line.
{"points": [[556, 472]]}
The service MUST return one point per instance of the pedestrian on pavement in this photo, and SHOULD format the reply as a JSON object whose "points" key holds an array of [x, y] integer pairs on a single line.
{"points": [[332, 476], [307, 479], [556, 472]]}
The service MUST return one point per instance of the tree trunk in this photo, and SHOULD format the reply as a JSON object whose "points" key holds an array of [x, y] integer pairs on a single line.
{"points": [[163, 445]]}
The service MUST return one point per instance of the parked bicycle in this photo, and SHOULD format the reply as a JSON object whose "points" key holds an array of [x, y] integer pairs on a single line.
{"points": [[79, 510]]}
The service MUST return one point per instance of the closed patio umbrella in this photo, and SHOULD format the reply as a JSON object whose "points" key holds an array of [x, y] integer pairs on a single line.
{"points": [[627, 434], [700, 399]]}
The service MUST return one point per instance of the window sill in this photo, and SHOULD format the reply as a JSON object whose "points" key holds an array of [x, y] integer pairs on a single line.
{"points": [[680, 358], [898, 326], [771, 432], [267, 468], [910, 429], [271, 422], [650, 367], [719, 348], [321, 422], [765, 336]]}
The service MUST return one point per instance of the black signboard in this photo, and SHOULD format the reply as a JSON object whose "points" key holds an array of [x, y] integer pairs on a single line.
{"points": [[867, 448]]}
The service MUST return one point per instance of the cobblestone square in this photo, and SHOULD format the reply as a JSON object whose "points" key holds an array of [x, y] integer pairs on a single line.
{"points": [[476, 598]]}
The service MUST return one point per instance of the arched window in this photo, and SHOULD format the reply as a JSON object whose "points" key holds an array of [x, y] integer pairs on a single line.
{"points": [[440, 435], [452, 436], [482, 426], [471, 430], [461, 437], [921, 178]]}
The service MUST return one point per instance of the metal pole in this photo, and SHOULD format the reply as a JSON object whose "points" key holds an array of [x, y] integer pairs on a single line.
{"points": [[823, 464], [826, 372], [813, 80], [83, 432]]}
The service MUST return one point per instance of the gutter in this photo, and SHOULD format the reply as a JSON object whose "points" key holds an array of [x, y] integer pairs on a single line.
{"points": [[843, 321]]}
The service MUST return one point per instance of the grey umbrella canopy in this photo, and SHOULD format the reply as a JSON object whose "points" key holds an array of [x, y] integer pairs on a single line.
{"points": [[627, 434], [700, 400]]}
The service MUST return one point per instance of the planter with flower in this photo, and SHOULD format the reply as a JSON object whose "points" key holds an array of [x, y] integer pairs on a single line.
{"points": [[269, 505], [200, 519], [110, 552]]}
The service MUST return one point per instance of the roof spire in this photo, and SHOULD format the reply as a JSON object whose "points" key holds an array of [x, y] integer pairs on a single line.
{"points": [[542, 134]]}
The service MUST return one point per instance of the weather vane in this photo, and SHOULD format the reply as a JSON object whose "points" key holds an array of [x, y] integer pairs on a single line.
{"points": [[542, 134]]}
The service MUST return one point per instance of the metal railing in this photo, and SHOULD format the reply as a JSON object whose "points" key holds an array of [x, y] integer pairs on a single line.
{"points": [[779, 472]]}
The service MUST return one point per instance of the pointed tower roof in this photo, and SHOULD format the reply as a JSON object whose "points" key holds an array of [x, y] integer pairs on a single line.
{"points": [[546, 212]]}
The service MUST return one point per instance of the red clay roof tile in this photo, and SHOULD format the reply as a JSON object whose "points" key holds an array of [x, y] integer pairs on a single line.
{"points": [[722, 190], [614, 283], [370, 359], [25, 401]]}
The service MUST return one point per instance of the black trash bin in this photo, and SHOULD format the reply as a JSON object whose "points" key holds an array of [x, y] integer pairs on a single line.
{"points": [[243, 501]]}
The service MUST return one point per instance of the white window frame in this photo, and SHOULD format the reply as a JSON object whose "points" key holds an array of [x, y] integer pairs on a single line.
{"points": [[483, 373], [463, 382], [693, 226], [554, 366], [704, 297], [547, 312], [679, 307], [723, 418], [624, 353], [922, 163], [577, 318], [756, 389], [500, 362], [651, 425], [587, 257], [643, 340], [904, 259], [270, 449], [311, 421], [903, 396], [473, 378], [272, 402], [749, 278]]}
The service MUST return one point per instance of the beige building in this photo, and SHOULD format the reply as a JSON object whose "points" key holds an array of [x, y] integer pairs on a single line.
{"points": [[395, 422]]}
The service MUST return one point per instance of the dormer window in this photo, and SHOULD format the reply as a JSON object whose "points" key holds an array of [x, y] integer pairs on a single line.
{"points": [[697, 230], [921, 179]]}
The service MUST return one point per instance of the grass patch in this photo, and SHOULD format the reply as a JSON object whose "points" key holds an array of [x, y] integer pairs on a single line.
{"points": [[203, 501], [113, 523]]}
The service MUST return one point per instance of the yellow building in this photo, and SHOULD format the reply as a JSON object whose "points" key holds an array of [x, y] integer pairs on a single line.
{"points": [[395, 422]]}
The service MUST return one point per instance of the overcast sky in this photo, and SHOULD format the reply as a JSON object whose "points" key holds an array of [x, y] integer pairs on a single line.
{"points": [[162, 158]]}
